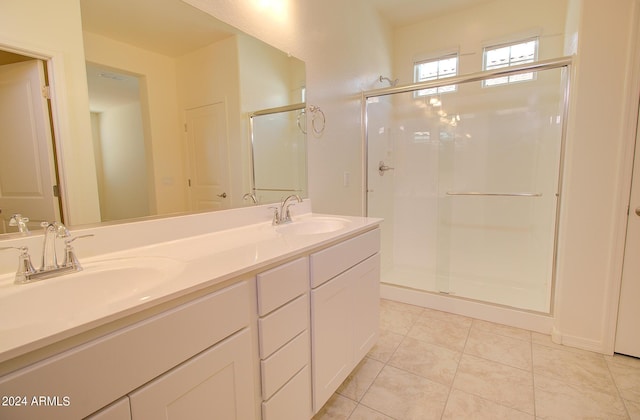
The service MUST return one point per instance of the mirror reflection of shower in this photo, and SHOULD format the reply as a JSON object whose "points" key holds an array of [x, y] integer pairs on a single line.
{"points": [[392, 83]]}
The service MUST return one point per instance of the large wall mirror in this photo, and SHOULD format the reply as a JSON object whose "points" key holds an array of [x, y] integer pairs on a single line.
{"points": [[170, 90]]}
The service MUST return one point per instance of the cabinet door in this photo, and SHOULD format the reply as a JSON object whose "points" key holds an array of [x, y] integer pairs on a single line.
{"points": [[366, 306], [331, 331], [119, 410], [216, 384]]}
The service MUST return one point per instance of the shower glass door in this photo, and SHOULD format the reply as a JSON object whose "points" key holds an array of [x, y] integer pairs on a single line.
{"points": [[468, 184]]}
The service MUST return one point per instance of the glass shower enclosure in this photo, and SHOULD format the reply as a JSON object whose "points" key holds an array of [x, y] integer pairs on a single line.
{"points": [[468, 183]]}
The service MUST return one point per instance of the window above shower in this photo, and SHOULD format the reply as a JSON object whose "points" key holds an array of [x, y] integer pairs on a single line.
{"points": [[433, 69], [507, 55]]}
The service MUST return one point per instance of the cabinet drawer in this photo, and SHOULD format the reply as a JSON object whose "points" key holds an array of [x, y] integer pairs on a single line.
{"points": [[282, 284], [280, 326], [330, 262], [293, 401], [94, 374], [278, 368]]}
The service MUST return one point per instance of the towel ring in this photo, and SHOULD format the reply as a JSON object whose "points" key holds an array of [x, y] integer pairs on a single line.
{"points": [[316, 113]]}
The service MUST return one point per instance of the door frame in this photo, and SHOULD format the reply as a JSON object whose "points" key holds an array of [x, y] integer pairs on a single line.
{"points": [[57, 108], [630, 131]]}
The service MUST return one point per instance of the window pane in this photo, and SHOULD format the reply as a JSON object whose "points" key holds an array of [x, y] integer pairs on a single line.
{"points": [[510, 55], [435, 69]]}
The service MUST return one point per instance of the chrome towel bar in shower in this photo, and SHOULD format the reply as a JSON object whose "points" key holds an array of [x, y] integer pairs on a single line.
{"points": [[518, 194]]}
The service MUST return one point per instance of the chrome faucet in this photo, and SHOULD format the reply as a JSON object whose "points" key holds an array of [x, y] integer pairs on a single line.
{"points": [[50, 267], [52, 231], [283, 214], [21, 222]]}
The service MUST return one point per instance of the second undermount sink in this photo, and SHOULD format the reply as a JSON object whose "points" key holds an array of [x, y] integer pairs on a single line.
{"points": [[313, 225], [113, 283]]}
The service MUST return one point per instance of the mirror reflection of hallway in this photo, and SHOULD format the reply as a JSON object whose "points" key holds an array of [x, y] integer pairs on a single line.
{"points": [[118, 143], [28, 181]]}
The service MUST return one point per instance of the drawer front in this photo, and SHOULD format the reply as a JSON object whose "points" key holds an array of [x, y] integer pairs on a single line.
{"points": [[278, 368], [96, 373], [330, 262], [293, 401], [279, 327], [282, 284]]}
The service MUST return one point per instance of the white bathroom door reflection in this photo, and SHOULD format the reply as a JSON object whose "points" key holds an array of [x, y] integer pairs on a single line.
{"points": [[27, 174], [208, 160]]}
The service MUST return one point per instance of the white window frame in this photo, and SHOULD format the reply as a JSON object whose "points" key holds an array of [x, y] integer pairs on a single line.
{"points": [[439, 75], [518, 78]]}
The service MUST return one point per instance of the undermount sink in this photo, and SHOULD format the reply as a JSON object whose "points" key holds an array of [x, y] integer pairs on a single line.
{"points": [[113, 282], [313, 226]]}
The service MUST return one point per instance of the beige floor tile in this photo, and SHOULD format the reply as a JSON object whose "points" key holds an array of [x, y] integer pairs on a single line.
{"points": [[545, 340], [388, 342], [621, 359], [502, 384], [503, 330], [459, 320], [499, 348], [558, 400], [633, 409], [427, 360], [337, 408], [466, 406], [396, 321], [627, 379], [444, 333], [585, 370], [365, 413], [400, 306], [360, 379], [403, 395]]}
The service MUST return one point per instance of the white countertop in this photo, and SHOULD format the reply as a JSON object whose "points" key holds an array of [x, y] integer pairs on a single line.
{"points": [[45, 312]]}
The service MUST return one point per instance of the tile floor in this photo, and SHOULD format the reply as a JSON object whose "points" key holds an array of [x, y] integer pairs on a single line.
{"points": [[436, 365]]}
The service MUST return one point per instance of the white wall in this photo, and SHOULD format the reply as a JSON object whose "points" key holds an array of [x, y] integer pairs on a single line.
{"points": [[161, 118], [123, 171]]}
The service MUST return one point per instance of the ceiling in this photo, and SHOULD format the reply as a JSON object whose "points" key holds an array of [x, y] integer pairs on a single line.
{"points": [[406, 12], [168, 27], [173, 28]]}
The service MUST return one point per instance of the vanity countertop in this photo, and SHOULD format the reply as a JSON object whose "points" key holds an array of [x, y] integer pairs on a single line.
{"points": [[119, 284]]}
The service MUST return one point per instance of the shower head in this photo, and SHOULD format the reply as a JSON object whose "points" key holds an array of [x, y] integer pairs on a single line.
{"points": [[392, 83]]}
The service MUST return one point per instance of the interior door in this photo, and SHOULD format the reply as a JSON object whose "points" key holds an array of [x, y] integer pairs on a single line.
{"points": [[627, 332], [27, 172], [208, 161]]}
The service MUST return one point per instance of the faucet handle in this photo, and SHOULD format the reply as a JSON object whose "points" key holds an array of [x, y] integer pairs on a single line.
{"points": [[25, 268], [70, 259], [276, 215]]}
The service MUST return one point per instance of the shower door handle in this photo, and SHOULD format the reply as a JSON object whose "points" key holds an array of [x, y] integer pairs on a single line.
{"points": [[637, 211], [382, 168]]}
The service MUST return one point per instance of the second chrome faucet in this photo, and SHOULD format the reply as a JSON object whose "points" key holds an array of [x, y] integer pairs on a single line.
{"points": [[282, 214]]}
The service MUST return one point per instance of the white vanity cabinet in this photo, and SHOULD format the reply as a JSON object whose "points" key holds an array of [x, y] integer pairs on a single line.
{"points": [[344, 310], [283, 326], [195, 357]]}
